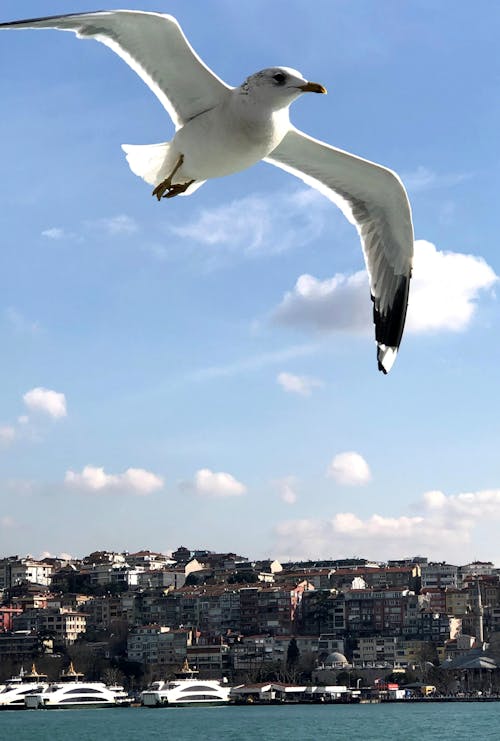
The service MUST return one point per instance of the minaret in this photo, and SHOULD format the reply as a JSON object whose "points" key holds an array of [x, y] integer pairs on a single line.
{"points": [[480, 616]]}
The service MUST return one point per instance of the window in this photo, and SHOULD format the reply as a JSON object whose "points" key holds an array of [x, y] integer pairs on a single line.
{"points": [[197, 688], [200, 697]]}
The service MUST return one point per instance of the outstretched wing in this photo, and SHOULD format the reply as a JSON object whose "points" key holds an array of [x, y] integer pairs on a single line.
{"points": [[375, 201], [155, 47]]}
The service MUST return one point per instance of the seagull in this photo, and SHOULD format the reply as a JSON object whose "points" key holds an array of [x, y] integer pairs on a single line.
{"points": [[221, 130]]}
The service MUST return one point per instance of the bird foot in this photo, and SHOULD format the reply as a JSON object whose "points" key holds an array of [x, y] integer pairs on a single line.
{"points": [[162, 187], [175, 190], [165, 189]]}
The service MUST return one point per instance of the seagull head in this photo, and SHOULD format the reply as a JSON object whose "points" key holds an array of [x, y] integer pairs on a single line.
{"points": [[279, 86]]}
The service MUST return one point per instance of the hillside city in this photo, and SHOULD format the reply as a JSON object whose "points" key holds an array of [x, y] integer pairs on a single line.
{"points": [[136, 617]]}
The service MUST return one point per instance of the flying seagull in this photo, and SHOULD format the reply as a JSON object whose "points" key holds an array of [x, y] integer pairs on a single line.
{"points": [[221, 130]]}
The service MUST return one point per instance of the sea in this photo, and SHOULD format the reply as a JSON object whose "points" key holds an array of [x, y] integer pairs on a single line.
{"points": [[457, 721]]}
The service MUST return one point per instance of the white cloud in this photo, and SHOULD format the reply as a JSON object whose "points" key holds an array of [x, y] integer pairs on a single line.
{"points": [[54, 232], [112, 226], [338, 303], [469, 506], [57, 234], [444, 292], [115, 225], [47, 401], [257, 224], [349, 468], [62, 556], [7, 435], [65, 556], [286, 487], [376, 537], [301, 385], [209, 483], [444, 528], [445, 288], [132, 481], [7, 522]]}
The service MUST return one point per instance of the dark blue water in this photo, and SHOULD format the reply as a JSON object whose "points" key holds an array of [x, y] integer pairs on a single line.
{"points": [[409, 722]]}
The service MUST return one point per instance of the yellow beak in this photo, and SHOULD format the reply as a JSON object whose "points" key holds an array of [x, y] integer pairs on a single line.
{"points": [[313, 87]]}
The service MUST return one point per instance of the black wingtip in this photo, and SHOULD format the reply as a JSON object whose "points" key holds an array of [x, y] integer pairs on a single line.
{"points": [[389, 326]]}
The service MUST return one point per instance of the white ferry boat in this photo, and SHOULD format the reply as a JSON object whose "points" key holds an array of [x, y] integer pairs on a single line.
{"points": [[186, 689], [14, 692], [72, 691]]}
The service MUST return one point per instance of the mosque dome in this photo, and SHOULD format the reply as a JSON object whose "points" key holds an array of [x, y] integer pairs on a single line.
{"points": [[336, 659]]}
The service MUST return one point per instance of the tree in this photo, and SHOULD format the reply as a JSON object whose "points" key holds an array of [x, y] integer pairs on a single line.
{"points": [[292, 655], [243, 577], [321, 611], [350, 678]]}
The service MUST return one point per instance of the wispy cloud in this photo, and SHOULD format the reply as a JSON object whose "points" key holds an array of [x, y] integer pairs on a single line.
{"points": [[113, 226], [18, 487], [59, 234], [444, 292], [301, 385], [253, 363], [423, 179], [116, 225], [7, 435], [94, 479], [349, 468], [287, 489], [260, 223], [21, 324]]}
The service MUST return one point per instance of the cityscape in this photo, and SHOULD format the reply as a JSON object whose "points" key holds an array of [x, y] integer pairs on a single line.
{"points": [[136, 618]]}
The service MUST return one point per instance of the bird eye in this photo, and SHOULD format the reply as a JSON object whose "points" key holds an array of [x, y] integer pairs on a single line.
{"points": [[280, 78]]}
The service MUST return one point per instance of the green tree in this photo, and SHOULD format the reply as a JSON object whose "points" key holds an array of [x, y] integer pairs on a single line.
{"points": [[321, 611], [292, 654]]}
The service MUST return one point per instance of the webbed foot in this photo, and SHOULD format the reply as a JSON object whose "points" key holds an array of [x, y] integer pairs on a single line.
{"points": [[175, 190], [166, 185]]}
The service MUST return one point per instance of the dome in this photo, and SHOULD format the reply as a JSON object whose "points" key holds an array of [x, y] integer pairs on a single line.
{"points": [[336, 659]]}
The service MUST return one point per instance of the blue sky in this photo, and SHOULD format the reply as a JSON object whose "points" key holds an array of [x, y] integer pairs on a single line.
{"points": [[170, 373]]}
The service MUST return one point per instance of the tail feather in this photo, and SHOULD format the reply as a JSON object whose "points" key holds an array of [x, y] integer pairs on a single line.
{"points": [[152, 163], [147, 160]]}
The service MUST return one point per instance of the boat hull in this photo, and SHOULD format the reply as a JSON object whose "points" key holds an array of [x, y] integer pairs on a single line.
{"points": [[38, 704]]}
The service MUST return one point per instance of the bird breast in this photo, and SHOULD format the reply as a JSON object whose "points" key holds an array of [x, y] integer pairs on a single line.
{"points": [[227, 139]]}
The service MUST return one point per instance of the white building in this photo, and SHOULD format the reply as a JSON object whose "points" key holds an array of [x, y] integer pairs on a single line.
{"points": [[476, 568], [15, 570], [62, 624], [439, 575], [163, 578]]}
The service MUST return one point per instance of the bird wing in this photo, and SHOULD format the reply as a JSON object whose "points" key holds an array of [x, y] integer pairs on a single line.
{"points": [[154, 46], [375, 201]]}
